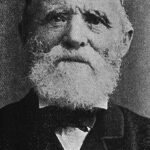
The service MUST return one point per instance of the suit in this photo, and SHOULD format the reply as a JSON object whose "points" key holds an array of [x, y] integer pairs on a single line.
{"points": [[23, 128]]}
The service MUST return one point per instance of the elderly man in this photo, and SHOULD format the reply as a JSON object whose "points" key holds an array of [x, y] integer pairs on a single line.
{"points": [[74, 50]]}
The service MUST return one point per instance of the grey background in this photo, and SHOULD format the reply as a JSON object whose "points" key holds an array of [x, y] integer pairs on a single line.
{"points": [[134, 88]]}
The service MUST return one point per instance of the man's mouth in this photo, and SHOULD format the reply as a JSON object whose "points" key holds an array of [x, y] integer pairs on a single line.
{"points": [[75, 59]]}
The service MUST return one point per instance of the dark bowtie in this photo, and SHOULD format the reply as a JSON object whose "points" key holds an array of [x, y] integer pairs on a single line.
{"points": [[59, 118]]}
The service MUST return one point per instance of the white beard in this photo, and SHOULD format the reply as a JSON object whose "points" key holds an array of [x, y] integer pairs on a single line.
{"points": [[72, 84]]}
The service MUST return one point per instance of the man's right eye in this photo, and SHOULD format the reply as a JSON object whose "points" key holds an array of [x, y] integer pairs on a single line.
{"points": [[56, 18]]}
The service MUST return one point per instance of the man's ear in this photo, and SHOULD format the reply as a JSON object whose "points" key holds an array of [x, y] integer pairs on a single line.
{"points": [[127, 39]]}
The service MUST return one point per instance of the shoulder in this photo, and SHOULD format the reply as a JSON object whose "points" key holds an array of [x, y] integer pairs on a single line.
{"points": [[17, 122], [136, 127], [127, 113], [9, 111], [9, 124], [10, 116], [15, 115], [131, 121], [16, 110], [130, 116]]}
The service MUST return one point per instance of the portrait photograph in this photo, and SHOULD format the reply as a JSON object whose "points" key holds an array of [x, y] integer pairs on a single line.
{"points": [[74, 75]]}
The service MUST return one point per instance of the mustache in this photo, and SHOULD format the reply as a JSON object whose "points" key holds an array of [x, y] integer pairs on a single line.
{"points": [[59, 54], [75, 58]]}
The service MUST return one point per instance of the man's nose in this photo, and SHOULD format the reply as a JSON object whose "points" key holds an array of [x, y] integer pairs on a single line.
{"points": [[76, 35]]}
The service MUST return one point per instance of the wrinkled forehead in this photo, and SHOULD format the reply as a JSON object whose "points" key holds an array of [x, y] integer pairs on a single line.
{"points": [[102, 5]]}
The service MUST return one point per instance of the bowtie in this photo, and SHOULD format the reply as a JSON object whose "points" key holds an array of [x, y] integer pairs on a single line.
{"points": [[62, 117]]}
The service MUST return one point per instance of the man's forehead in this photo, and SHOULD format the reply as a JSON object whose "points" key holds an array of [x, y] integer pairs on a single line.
{"points": [[82, 4]]}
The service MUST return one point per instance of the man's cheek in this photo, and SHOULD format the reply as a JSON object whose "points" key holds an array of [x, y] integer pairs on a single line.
{"points": [[43, 42], [109, 52], [49, 35], [101, 47], [100, 41]]}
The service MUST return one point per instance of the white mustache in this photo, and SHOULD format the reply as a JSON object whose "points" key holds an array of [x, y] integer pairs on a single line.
{"points": [[59, 54], [73, 58]]}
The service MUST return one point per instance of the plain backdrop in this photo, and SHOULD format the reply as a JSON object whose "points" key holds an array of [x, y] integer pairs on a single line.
{"points": [[133, 91]]}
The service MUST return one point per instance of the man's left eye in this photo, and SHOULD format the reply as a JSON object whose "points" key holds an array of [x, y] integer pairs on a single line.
{"points": [[93, 19]]}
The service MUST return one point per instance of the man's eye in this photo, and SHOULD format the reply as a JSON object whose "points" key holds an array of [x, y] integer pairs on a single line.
{"points": [[56, 17], [92, 19]]}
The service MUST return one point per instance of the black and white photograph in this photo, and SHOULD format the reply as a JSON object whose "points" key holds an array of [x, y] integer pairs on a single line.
{"points": [[74, 74]]}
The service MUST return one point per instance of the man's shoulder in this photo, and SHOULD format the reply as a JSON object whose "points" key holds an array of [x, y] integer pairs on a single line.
{"points": [[134, 125], [117, 109], [124, 127], [10, 116], [122, 117], [129, 115], [16, 114], [9, 111], [12, 110]]}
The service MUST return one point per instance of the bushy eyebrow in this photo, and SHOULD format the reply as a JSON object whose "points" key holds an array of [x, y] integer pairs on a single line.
{"points": [[68, 11], [102, 16], [64, 11], [52, 13]]}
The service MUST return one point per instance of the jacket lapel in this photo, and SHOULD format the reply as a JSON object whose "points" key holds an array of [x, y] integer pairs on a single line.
{"points": [[111, 130], [108, 131]]}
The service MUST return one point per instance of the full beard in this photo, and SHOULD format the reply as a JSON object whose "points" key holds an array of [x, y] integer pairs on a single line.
{"points": [[72, 84]]}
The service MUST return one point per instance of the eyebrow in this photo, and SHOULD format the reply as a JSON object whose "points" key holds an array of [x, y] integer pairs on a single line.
{"points": [[103, 17]]}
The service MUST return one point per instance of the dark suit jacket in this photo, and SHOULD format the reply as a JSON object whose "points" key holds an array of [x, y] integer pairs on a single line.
{"points": [[22, 128]]}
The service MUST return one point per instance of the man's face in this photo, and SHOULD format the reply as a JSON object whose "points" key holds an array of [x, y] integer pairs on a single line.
{"points": [[76, 45]]}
